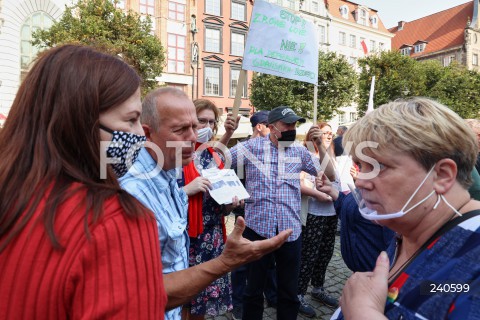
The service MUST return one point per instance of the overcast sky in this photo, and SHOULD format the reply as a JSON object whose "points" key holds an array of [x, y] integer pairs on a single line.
{"points": [[392, 11]]}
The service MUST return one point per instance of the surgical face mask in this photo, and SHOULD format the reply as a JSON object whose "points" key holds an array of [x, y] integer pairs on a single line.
{"points": [[204, 135], [287, 136], [371, 214], [123, 149]]}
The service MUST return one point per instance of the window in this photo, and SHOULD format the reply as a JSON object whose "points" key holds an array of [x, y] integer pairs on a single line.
{"points": [[239, 11], [381, 46], [475, 59], [374, 21], [291, 4], [234, 74], [405, 51], [176, 11], [176, 53], [362, 17], [213, 39], [353, 61], [353, 116], [314, 6], [353, 41], [212, 83], [213, 7], [38, 20], [321, 33], [344, 11], [238, 44], [373, 45], [147, 7], [342, 38], [448, 60], [419, 47], [341, 118]]}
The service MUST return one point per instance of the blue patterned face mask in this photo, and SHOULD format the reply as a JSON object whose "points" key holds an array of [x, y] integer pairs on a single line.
{"points": [[123, 149]]}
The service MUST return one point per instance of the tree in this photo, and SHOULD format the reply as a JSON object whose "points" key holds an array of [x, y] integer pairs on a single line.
{"points": [[99, 24], [458, 89], [396, 76], [336, 89]]}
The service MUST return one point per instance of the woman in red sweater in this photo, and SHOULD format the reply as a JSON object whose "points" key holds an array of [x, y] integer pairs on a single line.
{"points": [[73, 244]]}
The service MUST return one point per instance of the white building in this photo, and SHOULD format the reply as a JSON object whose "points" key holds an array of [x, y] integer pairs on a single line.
{"points": [[18, 19]]}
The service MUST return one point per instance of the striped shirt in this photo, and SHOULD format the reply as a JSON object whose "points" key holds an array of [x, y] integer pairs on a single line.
{"points": [[273, 182], [158, 191]]}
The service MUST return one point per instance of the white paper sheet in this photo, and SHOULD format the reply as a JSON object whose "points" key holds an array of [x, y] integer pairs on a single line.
{"points": [[225, 185]]}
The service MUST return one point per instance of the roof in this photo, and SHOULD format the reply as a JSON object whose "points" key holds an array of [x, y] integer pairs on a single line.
{"points": [[441, 30], [334, 9]]}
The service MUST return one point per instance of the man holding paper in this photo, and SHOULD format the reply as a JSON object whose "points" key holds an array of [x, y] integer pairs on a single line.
{"points": [[272, 167], [170, 124]]}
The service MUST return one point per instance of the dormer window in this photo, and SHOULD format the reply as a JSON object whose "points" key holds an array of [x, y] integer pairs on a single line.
{"points": [[419, 46], [344, 11], [374, 21], [362, 17], [406, 51]]}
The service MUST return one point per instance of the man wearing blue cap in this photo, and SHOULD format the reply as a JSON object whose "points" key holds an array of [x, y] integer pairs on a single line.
{"points": [[259, 121], [272, 168]]}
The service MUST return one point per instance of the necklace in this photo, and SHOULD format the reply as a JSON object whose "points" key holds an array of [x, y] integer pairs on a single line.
{"points": [[399, 239]]}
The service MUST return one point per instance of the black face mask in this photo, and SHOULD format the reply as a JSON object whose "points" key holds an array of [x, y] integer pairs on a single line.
{"points": [[288, 135]]}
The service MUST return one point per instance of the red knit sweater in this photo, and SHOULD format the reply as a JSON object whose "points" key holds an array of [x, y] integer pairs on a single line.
{"points": [[114, 274]]}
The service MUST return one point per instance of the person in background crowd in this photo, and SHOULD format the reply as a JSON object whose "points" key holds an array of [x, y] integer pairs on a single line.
{"points": [[415, 181], [318, 235], [272, 166], [338, 140], [206, 225], [474, 124], [259, 121], [73, 244], [169, 121]]}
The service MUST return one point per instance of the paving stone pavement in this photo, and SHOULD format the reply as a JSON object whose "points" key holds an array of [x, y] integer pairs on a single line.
{"points": [[337, 274]]}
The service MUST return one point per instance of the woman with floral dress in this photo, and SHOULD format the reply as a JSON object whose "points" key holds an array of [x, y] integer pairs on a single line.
{"points": [[206, 226]]}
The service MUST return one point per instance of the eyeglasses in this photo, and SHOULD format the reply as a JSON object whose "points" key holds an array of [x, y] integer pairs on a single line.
{"points": [[328, 134], [205, 121]]}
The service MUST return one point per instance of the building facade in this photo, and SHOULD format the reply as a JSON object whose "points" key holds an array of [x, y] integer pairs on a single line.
{"points": [[447, 36]]}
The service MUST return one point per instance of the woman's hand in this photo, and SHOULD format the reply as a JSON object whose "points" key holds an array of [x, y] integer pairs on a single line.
{"points": [[199, 184], [365, 293], [231, 124], [354, 173], [235, 203]]}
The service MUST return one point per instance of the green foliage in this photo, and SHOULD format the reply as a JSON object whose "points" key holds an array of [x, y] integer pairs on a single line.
{"points": [[400, 76], [99, 24], [459, 90], [336, 89], [396, 76]]}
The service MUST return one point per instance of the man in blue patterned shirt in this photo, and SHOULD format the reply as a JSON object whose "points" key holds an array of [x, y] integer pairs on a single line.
{"points": [[272, 167], [170, 121]]}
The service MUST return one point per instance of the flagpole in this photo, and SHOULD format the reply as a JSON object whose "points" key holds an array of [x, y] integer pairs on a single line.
{"points": [[315, 93], [370, 98]]}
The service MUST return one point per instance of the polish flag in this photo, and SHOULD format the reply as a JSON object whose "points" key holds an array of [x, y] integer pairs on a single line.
{"points": [[364, 46]]}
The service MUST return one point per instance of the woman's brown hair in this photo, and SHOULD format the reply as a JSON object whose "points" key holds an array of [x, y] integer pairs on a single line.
{"points": [[330, 149], [51, 138], [205, 104]]}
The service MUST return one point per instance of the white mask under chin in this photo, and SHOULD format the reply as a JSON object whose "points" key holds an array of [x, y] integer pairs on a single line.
{"points": [[204, 135], [371, 214]]}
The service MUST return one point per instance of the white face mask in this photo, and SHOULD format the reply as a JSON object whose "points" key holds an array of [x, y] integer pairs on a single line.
{"points": [[371, 214], [204, 135]]}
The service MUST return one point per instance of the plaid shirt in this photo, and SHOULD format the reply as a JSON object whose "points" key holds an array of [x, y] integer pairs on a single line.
{"points": [[273, 182]]}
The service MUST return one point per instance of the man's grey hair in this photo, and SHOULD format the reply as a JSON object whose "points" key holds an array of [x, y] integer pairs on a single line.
{"points": [[152, 103]]}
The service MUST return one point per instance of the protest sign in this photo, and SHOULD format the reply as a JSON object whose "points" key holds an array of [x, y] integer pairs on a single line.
{"points": [[225, 185], [281, 43]]}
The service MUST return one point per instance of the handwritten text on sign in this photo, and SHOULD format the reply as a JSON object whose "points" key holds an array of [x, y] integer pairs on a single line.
{"points": [[281, 43]]}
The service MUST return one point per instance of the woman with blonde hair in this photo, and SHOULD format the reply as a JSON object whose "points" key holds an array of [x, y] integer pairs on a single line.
{"points": [[416, 157]]}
